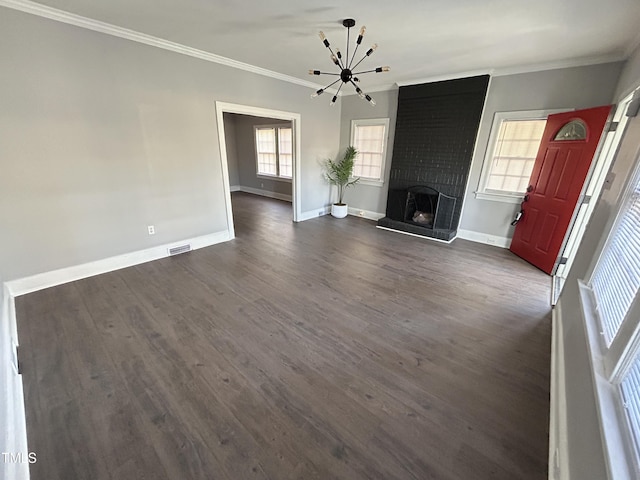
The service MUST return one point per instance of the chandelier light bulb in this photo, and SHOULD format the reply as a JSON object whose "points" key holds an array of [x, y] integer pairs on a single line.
{"points": [[362, 30], [318, 92], [334, 59], [322, 35], [333, 100]]}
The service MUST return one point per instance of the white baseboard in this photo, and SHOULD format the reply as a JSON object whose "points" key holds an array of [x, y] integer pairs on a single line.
{"points": [[12, 409], [358, 212], [265, 193], [234, 188], [416, 235], [40, 281], [479, 237], [558, 437], [318, 212]]}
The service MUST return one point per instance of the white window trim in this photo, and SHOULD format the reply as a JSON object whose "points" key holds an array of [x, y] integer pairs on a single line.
{"points": [[615, 438], [373, 122], [609, 365], [265, 176], [481, 193], [275, 126]]}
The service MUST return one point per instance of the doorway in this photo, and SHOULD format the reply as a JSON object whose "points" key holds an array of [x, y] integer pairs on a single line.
{"points": [[293, 118], [561, 170], [597, 181]]}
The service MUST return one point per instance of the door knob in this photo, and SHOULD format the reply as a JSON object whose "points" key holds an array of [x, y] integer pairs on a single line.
{"points": [[530, 188]]}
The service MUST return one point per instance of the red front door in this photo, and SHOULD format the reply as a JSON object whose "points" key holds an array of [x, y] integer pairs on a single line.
{"points": [[564, 158]]}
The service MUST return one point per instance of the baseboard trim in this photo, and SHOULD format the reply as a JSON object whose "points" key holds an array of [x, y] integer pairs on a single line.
{"points": [[264, 193], [368, 214], [488, 239], [416, 235], [234, 188], [318, 212], [558, 437], [44, 280]]}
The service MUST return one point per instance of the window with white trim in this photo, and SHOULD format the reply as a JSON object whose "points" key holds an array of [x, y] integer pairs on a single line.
{"points": [[511, 154], [274, 151], [615, 287], [369, 137]]}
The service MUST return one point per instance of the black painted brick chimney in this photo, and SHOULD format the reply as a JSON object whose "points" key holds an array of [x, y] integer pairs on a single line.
{"points": [[436, 130]]}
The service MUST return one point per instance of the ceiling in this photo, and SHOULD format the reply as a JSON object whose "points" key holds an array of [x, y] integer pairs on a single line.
{"points": [[418, 39]]}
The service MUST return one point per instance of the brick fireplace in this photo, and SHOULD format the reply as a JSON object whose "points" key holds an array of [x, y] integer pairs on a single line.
{"points": [[436, 129]]}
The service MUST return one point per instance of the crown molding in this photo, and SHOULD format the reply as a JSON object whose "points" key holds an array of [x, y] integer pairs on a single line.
{"points": [[530, 68], [57, 15], [446, 76], [570, 63]]}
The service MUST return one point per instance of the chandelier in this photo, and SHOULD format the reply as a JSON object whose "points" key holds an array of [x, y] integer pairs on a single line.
{"points": [[346, 65]]}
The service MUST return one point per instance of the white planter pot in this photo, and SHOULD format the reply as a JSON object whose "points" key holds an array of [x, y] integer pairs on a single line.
{"points": [[339, 211]]}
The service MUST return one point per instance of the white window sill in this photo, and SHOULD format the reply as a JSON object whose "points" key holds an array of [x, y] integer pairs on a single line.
{"points": [[496, 197], [273, 177], [370, 181], [614, 436]]}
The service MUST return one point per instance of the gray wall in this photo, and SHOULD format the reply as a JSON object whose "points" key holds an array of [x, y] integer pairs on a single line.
{"points": [[246, 152], [578, 87], [369, 197], [100, 137]]}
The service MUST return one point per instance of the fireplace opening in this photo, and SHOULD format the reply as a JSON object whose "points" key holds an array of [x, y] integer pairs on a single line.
{"points": [[422, 209]]}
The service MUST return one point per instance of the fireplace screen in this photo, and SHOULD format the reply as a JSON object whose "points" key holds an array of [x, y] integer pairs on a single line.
{"points": [[429, 208]]}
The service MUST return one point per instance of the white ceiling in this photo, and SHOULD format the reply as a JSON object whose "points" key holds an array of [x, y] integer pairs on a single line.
{"points": [[418, 39]]}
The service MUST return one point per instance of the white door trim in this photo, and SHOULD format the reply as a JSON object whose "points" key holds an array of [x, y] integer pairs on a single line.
{"points": [[221, 109]]}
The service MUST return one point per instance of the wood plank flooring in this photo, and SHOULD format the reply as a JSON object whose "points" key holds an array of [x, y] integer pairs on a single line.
{"points": [[327, 349]]}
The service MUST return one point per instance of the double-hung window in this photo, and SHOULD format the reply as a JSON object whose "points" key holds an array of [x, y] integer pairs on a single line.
{"points": [[511, 154], [614, 287], [274, 151], [369, 137]]}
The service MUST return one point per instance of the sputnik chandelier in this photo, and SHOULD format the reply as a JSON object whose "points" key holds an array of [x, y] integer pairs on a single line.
{"points": [[346, 65]]}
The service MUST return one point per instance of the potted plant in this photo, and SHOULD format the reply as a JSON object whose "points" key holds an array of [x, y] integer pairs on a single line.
{"points": [[339, 174]]}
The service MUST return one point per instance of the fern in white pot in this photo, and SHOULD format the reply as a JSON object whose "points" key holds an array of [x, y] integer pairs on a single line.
{"points": [[339, 173]]}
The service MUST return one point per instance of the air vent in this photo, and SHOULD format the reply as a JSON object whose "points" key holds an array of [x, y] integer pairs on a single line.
{"points": [[180, 249]]}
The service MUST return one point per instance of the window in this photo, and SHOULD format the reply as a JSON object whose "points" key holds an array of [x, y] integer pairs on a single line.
{"points": [[274, 151], [511, 154], [616, 278], [614, 287], [369, 137]]}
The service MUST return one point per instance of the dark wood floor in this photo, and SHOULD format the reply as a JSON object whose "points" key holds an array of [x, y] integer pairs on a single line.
{"points": [[320, 350]]}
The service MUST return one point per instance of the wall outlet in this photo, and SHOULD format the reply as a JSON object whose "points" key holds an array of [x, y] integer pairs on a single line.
{"points": [[361, 213], [152, 230]]}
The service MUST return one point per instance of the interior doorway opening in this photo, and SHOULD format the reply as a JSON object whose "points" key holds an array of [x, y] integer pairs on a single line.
{"points": [[273, 174]]}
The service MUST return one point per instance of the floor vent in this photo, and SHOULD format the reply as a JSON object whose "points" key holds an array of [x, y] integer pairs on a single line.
{"points": [[180, 249]]}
